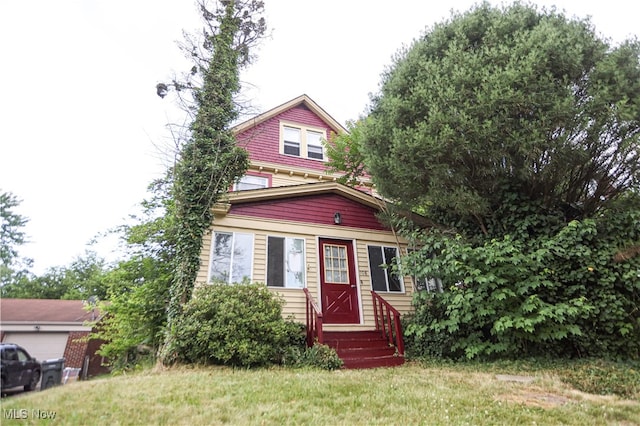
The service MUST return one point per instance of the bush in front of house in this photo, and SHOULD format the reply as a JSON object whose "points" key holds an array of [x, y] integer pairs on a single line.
{"points": [[318, 356], [237, 325]]}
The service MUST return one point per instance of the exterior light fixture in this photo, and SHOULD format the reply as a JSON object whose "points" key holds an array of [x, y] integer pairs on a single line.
{"points": [[337, 218]]}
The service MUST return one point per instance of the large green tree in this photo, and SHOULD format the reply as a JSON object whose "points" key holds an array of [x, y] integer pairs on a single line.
{"points": [[210, 160], [517, 132], [510, 96]]}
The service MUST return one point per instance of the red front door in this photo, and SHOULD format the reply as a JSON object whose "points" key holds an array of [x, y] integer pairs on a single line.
{"points": [[338, 282]]}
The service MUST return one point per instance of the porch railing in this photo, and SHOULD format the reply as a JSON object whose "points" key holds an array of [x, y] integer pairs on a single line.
{"points": [[388, 322], [314, 321]]}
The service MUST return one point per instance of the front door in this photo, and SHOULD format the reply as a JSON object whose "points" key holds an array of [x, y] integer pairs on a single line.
{"points": [[338, 284]]}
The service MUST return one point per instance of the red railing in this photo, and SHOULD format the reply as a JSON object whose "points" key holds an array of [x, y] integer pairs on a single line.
{"points": [[388, 322], [314, 321]]}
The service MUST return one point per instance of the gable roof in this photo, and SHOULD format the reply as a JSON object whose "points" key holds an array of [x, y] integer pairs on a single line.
{"points": [[302, 99], [45, 311], [302, 190]]}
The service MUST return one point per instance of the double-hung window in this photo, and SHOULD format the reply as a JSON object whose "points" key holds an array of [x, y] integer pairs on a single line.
{"points": [[292, 139], [383, 278], [314, 145], [304, 142], [285, 262], [231, 257]]}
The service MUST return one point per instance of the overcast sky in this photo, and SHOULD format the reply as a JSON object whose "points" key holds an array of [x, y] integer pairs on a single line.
{"points": [[83, 133]]}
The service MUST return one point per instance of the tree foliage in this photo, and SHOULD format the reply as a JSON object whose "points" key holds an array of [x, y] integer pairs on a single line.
{"points": [[209, 161], [135, 313], [345, 154], [507, 96], [517, 132], [572, 291], [80, 280], [13, 268]]}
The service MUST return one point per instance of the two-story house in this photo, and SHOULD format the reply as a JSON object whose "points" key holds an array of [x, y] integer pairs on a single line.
{"points": [[318, 243]]}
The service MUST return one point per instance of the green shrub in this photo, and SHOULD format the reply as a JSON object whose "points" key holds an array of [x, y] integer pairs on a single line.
{"points": [[420, 336], [318, 356], [572, 290], [237, 325]]}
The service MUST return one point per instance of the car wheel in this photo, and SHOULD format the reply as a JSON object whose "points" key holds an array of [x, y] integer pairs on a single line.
{"points": [[35, 378]]}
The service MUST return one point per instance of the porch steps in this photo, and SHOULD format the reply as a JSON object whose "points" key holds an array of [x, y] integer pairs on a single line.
{"points": [[363, 349]]}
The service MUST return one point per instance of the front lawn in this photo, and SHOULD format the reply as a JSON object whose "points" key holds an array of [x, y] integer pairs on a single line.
{"points": [[407, 395]]}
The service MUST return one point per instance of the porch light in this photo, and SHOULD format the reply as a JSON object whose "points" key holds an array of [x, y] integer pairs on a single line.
{"points": [[337, 218]]}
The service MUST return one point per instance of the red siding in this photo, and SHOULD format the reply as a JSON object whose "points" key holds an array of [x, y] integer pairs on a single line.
{"points": [[263, 141], [318, 209]]}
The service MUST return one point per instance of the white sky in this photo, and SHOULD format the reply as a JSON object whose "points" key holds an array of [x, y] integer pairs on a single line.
{"points": [[82, 130]]}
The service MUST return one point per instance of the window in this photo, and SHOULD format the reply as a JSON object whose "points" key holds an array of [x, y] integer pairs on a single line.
{"points": [[248, 182], [430, 285], [292, 141], [314, 145], [285, 262], [424, 283], [380, 261], [302, 141], [231, 257], [336, 270]]}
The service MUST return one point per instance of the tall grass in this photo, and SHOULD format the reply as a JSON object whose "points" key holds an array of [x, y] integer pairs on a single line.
{"points": [[408, 395]]}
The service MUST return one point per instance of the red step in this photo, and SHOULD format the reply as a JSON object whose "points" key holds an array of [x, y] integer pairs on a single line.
{"points": [[363, 349]]}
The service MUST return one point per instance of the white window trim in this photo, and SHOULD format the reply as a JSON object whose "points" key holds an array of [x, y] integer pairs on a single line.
{"points": [[400, 277], [304, 261], [233, 234], [304, 149], [261, 178]]}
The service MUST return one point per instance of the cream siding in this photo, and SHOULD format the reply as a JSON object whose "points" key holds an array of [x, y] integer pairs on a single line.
{"points": [[294, 298]]}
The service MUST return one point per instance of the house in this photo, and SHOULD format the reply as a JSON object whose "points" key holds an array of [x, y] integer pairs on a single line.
{"points": [[317, 243], [51, 329]]}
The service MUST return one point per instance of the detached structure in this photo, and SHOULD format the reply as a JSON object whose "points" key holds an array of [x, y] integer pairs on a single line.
{"points": [[50, 329], [316, 242]]}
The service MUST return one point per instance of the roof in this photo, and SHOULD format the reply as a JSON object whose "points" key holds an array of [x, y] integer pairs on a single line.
{"points": [[45, 311], [293, 191], [302, 99]]}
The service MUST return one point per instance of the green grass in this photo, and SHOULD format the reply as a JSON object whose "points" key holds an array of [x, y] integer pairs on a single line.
{"points": [[408, 395]]}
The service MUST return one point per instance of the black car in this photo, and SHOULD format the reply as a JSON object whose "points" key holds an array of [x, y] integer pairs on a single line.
{"points": [[18, 368]]}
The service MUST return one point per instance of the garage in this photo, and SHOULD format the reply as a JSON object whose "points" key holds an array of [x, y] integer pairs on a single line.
{"points": [[42, 346]]}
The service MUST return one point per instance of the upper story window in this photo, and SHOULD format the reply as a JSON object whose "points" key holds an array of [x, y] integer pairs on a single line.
{"points": [[248, 182], [300, 141]]}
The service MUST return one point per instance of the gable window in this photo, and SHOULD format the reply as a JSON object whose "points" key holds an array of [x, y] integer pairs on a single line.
{"points": [[248, 182], [231, 257], [285, 262], [292, 141], [380, 261], [314, 145], [305, 142]]}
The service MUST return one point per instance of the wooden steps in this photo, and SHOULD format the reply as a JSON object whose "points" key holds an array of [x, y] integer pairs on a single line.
{"points": [[363, 349]]}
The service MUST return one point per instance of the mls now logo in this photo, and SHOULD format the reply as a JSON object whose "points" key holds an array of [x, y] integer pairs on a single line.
{"points": [[15, 414]]}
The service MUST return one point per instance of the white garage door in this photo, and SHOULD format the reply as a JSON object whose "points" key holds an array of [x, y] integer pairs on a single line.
{"points": [[42, 346]]}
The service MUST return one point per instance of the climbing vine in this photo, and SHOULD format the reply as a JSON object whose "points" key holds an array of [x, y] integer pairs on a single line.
{"points": [[209, 161]]}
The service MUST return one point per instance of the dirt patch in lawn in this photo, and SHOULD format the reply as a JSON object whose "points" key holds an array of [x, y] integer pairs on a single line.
{"points": [[535, 398]]}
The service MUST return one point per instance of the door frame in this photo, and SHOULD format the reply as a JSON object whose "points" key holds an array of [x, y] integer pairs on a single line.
{"points": [[352, 243]]}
